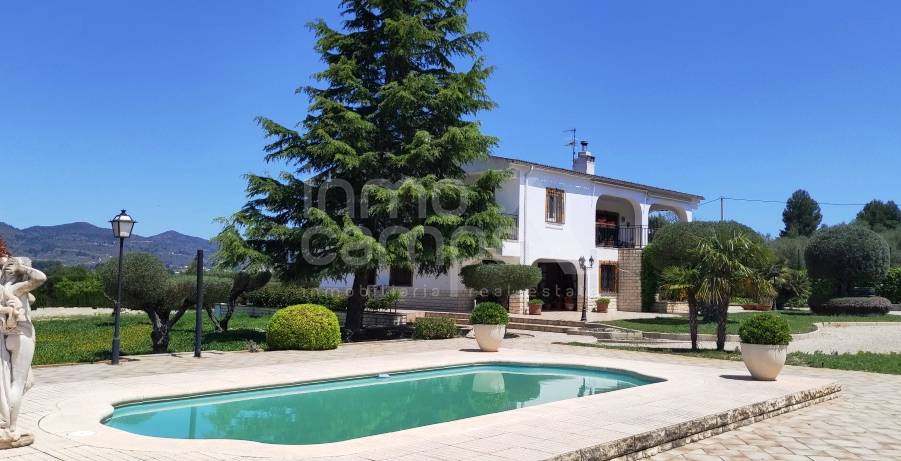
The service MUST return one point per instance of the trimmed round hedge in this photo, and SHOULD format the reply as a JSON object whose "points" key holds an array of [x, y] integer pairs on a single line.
{"points": [[434, 328], [500, 279], [489, 314], [847, 255], [769, 329], [308, 327], [870, 305]]}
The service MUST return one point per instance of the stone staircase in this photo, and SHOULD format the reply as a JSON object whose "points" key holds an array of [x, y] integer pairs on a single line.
{"points": [[548, 325], [604, 333]]}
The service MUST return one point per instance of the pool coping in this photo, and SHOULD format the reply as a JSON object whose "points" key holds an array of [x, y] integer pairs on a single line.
{"points": [[694, 402]]}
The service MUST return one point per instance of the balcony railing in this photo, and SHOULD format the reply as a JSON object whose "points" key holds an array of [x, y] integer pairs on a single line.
{"points": [[513, 234], [623, 236]]}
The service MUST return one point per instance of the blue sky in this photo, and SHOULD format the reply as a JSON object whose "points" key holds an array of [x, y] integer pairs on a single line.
{"points": [[150, 105]]}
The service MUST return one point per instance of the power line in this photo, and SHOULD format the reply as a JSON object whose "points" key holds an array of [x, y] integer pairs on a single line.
{"points": [[782, 202]]}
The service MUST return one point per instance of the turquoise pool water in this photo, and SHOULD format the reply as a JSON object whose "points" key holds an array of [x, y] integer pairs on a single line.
{"points": [[332, 411]]}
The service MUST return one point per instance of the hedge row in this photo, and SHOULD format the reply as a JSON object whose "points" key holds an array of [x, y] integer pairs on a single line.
{"points": [[871, 305], [279, 296]]}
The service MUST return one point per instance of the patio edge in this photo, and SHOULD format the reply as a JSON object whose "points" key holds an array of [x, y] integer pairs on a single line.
{"points": [[652, 442]]}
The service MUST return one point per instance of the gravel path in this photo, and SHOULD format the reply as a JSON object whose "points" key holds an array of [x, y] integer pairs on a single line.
{"points": [[870, 338], [879, 338]]}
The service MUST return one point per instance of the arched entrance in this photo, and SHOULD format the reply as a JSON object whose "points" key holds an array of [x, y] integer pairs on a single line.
{"points": [[559, 285]]}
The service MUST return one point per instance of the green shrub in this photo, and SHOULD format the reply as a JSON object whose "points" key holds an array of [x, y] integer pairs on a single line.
{"points": [[536, 301], [308, 327], [434, 328], [385, 302], [848, 256], [489, 314], [69, 286], [765, 329], [870, 305], [890, 286], [792, 288], [278, 296], [650, 283], [500, 280], [821, 290]]}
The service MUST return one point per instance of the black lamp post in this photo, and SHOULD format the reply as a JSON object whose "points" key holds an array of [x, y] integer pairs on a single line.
{"points": [[122, 226], [585, 284]]}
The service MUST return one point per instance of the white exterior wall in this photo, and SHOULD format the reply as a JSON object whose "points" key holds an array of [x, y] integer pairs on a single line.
{"points": [[524, 196]]}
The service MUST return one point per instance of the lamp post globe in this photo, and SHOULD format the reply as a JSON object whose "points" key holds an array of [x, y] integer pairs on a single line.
{"points": [[122, 225]]}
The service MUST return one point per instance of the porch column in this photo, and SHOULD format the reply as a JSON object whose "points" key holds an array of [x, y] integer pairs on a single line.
{"points": [[644, 222], [519, 302]]}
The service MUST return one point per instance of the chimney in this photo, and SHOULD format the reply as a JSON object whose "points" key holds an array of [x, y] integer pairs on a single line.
{"points": [[584, 161]]}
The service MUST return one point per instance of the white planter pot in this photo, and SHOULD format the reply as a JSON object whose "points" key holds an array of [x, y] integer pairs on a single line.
{"points": [[489, 336], [764, 361]]}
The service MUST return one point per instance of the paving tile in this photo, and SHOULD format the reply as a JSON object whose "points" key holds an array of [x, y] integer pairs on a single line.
{"points": [[864, 423]]}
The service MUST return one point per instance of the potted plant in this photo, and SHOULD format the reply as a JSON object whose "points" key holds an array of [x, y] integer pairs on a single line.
{"points": [[764, 344], [535, 305], [489, 324], [600, 305]]}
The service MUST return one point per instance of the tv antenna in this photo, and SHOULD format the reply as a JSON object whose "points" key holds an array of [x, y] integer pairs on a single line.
{"points": [[572, 142]]}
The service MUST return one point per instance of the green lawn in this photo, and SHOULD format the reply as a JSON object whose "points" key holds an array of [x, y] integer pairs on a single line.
{"points": [[888, 363], [800, 322], [88, 338]]}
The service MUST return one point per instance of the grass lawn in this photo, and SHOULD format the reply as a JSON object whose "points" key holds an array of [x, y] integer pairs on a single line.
{"points": [[888, 363], [88, 338], [799, 321]]}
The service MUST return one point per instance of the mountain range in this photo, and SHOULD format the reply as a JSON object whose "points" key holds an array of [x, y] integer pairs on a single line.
{"points": [[84, 244]]}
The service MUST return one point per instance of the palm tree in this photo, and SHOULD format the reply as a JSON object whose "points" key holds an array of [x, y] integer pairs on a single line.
{"points": [[727, 266], [679, 281], [790, 284]]}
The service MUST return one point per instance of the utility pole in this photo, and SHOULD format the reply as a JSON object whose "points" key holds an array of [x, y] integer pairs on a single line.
{"points": [[722, 207]]}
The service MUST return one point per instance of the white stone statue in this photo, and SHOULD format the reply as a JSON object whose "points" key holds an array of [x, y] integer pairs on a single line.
{"points": [[17, 280]]}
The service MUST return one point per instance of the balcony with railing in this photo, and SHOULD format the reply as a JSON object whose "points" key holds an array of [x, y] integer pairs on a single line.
{"points": [[613, 236], [513, 233]]}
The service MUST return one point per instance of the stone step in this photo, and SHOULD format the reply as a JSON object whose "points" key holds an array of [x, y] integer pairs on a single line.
{"points": [[539, 327], [461, 317]]}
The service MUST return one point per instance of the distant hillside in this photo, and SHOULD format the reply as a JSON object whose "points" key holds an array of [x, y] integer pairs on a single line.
{"points": [[85, 244]]}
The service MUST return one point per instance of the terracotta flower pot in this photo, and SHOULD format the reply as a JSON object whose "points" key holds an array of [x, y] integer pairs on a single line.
{"points": [[535, 308]]}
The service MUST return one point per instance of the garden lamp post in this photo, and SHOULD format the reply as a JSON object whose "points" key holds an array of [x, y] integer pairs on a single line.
{"points": [[122, 226], [585, 284]]}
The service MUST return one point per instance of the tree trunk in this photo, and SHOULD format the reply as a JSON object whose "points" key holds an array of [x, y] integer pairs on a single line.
{"points": [[221, 325], [693, 319], [159, 336], [354, 320], [708, 312], [722, 316]]}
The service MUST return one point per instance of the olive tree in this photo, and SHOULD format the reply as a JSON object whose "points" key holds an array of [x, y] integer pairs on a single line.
{"points": [[848, 256], [149, 287], [500, 280]]}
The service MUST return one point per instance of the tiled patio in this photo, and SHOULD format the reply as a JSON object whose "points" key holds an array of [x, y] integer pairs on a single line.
{"points": [[863, 423]]}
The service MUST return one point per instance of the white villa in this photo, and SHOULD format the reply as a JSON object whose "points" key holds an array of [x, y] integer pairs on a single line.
{"points": [[561, 215]]}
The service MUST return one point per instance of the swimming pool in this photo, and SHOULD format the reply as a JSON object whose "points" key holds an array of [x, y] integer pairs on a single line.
{"points": [[336, 410]]}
